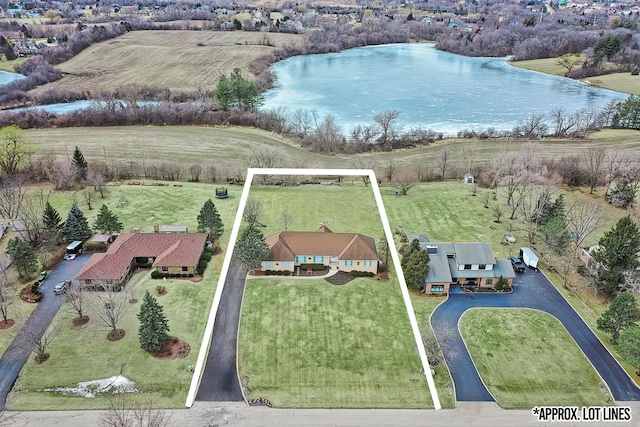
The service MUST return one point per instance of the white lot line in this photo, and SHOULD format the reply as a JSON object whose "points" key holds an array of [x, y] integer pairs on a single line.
{"points": [[206, 342]]}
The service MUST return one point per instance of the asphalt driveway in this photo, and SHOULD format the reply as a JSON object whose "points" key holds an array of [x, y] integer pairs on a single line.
{"points": [[220, 381], [19, 350], [531, 290]]}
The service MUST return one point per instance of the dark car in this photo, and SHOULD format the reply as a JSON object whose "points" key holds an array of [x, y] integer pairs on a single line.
{"points": [[61, 287], [517, 263]]}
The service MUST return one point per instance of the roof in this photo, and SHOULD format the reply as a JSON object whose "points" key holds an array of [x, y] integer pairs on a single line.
{"points": [[168, 249], [422, 238], [474, 253], [173, 229], [287, 244], [101, 238]]}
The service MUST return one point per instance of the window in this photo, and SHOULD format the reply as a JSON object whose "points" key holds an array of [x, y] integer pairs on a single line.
{"points": [[367, 263], [482, 267], [505, 281], [109, 281], [286, 264], [467, 266], [87, 281], [301, 258], [318, 259], [185, 268], [437, 288], [348, 263], [268, 264], [165, 268], [489, 281]]}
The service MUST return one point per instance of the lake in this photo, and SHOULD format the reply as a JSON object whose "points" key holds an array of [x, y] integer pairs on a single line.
{"points": [[433, 90], [7, 77]]}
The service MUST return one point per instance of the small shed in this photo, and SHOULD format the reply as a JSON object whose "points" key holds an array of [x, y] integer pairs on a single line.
{"points": [[468, 178], [98, 243], [222, 193]]}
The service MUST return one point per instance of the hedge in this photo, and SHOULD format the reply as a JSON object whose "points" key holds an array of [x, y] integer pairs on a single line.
{"points": [[312, 266]]}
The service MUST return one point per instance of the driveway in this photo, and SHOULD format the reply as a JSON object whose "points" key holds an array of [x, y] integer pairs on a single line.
{"points": [[220, 381], [531, 290], [19, 350]]}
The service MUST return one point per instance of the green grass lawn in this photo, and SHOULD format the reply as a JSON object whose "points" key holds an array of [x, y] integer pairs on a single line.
{"points": [[310, 344], [526, 358], [84, 353], [19, 311]]}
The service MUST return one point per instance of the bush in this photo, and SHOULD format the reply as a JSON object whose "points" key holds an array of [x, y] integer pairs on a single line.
{"points": [[268, 272], [161, 290], [155, 274], [286, 272], [202, 265], [353, 273], [206, 256], [582, 270]]}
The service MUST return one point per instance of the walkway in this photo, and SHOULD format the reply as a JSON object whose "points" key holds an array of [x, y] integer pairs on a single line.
{"points": [[331, 272], [531, 290], [220, 380], [19, 350]]}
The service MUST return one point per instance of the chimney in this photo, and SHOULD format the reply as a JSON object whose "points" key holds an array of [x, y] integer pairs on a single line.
{"points": [[156, 227]]}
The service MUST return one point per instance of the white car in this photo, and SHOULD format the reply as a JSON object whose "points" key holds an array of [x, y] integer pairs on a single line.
{"points": [[69, 257], [61, 287]]}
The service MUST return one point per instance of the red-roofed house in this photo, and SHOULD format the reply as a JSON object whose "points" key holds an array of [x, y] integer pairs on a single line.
{"points": [[344, 251], [168, 253]]}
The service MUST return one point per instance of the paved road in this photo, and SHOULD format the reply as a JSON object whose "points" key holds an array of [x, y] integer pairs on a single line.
{"points": [[532, 290], [19, 350], [220, 378]]}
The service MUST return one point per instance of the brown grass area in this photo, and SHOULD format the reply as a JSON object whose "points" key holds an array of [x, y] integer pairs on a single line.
{"points": [[178, 60]]}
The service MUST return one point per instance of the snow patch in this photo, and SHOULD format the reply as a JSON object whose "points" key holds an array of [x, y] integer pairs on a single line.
{"points": [[116, 384]]}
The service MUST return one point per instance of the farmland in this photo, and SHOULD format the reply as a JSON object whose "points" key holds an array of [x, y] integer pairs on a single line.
{"points": [[177, 60]]}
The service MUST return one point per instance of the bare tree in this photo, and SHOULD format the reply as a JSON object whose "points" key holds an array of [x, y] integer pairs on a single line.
{"points": [[41, 344], [286, 220], [566, 264], [497, 212], [13, 190], [365, 163], [443, 161], [31, 213], [76, 299], [301, 122], [88, 195], [631, 282], [195, 170], [265, 158], [485, 199], [404, 184], [13, 150], [252, 212], [110, 307], [212, 172], [62, 175], [594, 160], [97, 180], [532, 206], [390, 171], [122, 410], [7, 291], [388, 129], [584, 218], [421, 169], [532, 127], [616, 162]]}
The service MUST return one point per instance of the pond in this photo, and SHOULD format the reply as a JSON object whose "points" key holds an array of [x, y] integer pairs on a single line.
{"points": [[431, 89]]}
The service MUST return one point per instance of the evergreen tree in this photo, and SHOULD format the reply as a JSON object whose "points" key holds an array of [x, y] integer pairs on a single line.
{"points": [[414, 246], [107, 221], [79, 164], [499, 285], [209, 221], [9, 52], [416, 268], [51, 218], [552, 210], [620, 315], [251, 249], [153, 328], [76, 227], [23, 256], [224, 93], [629, 346], [618, 253], [236, 91]]}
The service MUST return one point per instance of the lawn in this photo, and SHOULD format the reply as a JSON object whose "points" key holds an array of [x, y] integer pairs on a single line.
{"points": [[83, 353], [526, 358], [310, 344], [177, 60]]}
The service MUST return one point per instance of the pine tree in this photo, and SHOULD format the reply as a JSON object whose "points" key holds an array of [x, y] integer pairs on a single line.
{"points": [[80, 164], [23, 256], [416, 268], [629, 346], [51, 218], [413, 247], [209, 221], [76, 227], [153, 328], [618, 253], [499, 285], [107, 221], [251, 249], [620, 315]]}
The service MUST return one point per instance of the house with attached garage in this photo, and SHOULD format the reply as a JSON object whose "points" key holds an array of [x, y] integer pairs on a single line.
{"points": [[465, 265], [170, 254], [300, 250]]}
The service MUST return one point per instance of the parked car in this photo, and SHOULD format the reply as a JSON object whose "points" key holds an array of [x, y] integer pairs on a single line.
{"points": [[69, 257], [517, 263], [61, 287], [43, 276]]}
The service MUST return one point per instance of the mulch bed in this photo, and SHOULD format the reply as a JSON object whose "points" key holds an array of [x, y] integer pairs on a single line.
{"points": [[6, 325], [340, 278], [27, 295], [80, 320], [42, 359], [116, 335], [175, 348]]}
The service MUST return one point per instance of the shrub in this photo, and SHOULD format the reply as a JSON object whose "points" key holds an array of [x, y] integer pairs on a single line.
{"points": [[582, 270], [370, 274], [155, 274], [311, 266], [353, 273], [206, 256], [202, 265], [286, 272], [268, 272], [161, 290]]}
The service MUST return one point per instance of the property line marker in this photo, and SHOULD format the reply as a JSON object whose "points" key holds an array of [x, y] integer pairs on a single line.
{"points": [[206, 342]]}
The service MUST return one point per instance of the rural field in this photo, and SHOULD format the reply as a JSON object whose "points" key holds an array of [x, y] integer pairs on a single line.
{"points": [[620, 82], [540, 367], [181, 61]]}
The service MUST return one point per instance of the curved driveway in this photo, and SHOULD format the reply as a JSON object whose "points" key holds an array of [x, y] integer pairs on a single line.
{"points": [[220, 381], [19, 350], [531, 290]]}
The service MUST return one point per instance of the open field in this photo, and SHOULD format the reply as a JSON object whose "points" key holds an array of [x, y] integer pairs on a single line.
{"points": [[178, 60], [542, 366], [621, 82], [83, 353], [308, 344]]}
